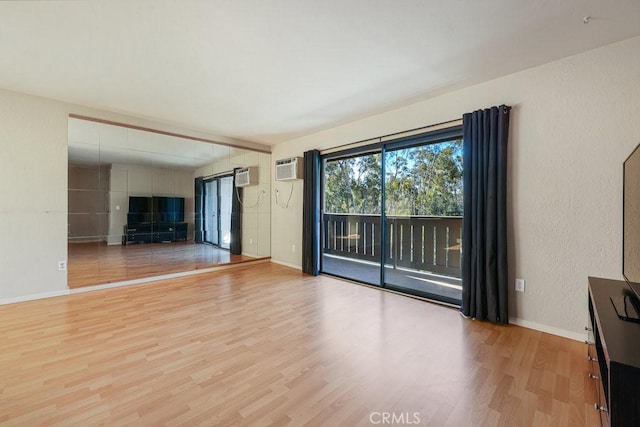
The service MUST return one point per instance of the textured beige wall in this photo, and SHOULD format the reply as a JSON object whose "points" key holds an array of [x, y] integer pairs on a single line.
{"points": [[33, 188], [574, 121]]}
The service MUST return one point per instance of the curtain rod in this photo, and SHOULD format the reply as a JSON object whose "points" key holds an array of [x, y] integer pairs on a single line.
{"points": [[395, 135]]}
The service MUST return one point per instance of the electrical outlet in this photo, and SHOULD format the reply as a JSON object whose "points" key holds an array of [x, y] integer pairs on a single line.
{"points": [[519, 285], [293, 248], [62, 265], [251, 240]]}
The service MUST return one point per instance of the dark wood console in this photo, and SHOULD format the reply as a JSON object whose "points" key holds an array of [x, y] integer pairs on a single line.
{"points": [[154, 232], [614, 352]]}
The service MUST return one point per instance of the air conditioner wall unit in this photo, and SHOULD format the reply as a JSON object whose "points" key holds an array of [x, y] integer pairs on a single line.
{"points": [[288, 169], [246, 176]]}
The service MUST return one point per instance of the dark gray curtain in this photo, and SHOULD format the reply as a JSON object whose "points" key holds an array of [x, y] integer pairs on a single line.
{"points": [[311, 213], [235, 246], [484, 237], [199, 225]]}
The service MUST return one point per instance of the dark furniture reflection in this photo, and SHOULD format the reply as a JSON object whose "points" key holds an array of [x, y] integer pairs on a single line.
{"points": [[154, 232], [614, 353]]}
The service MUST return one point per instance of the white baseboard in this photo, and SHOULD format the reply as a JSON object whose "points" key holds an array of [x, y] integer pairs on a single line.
{"points": [[286, 264], [548, 329], [32, 297]]}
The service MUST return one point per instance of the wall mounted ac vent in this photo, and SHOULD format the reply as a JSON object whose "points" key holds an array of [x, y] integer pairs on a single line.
{"points": [[246, 176], [287, 169]]}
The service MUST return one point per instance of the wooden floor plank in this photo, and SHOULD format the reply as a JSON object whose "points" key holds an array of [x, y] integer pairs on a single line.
{"points": [[266, 345]]}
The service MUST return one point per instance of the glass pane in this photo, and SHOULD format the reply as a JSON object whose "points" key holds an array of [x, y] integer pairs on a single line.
{"points": [[351, 218], [210, 215], [423, 207], [131, 197], [226, 192]]}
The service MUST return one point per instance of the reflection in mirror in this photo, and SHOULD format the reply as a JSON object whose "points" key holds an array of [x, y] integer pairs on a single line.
{"points": [[145, 204]]}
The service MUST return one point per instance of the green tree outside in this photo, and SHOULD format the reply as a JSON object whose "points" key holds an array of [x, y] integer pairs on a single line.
{"points": [[423, 180]]}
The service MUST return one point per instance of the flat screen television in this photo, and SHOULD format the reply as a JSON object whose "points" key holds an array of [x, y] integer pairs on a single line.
{"points": [[168, 209], [630, 303], [140, 210]]}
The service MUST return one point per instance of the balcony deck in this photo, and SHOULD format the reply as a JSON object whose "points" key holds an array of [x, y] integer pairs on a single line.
{"points": [[440, 287], [422, 253]]}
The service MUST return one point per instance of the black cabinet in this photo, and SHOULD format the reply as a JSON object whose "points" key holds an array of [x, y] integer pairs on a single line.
{"points": [[614, 353], [154, 232]]}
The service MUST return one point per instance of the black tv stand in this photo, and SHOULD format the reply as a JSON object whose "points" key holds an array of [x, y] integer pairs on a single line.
{"points": [[154, 232], [614, 355]]}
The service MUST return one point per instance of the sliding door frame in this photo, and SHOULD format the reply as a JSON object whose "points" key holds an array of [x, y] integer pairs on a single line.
{"points": [[382, 147], [342, 154], [217, 179]]}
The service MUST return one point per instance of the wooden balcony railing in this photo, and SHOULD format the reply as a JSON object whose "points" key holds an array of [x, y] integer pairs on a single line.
{"points": [[426, 243]]}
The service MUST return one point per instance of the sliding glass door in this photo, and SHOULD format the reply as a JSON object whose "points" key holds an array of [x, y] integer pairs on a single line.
{"points": [[218, 193], [226, 194], [351, 217], [210, 217], [392, 215], [423, 217]]}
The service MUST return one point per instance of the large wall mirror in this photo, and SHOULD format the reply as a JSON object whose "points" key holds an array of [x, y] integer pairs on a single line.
{"points": [[145, 204]]}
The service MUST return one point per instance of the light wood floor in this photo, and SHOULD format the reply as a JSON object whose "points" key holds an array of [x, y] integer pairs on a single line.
{"points": [[266, 345], [96, 263]]}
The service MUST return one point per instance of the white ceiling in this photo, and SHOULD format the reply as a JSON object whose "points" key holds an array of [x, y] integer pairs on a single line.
{"points": [[270, 70]]}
